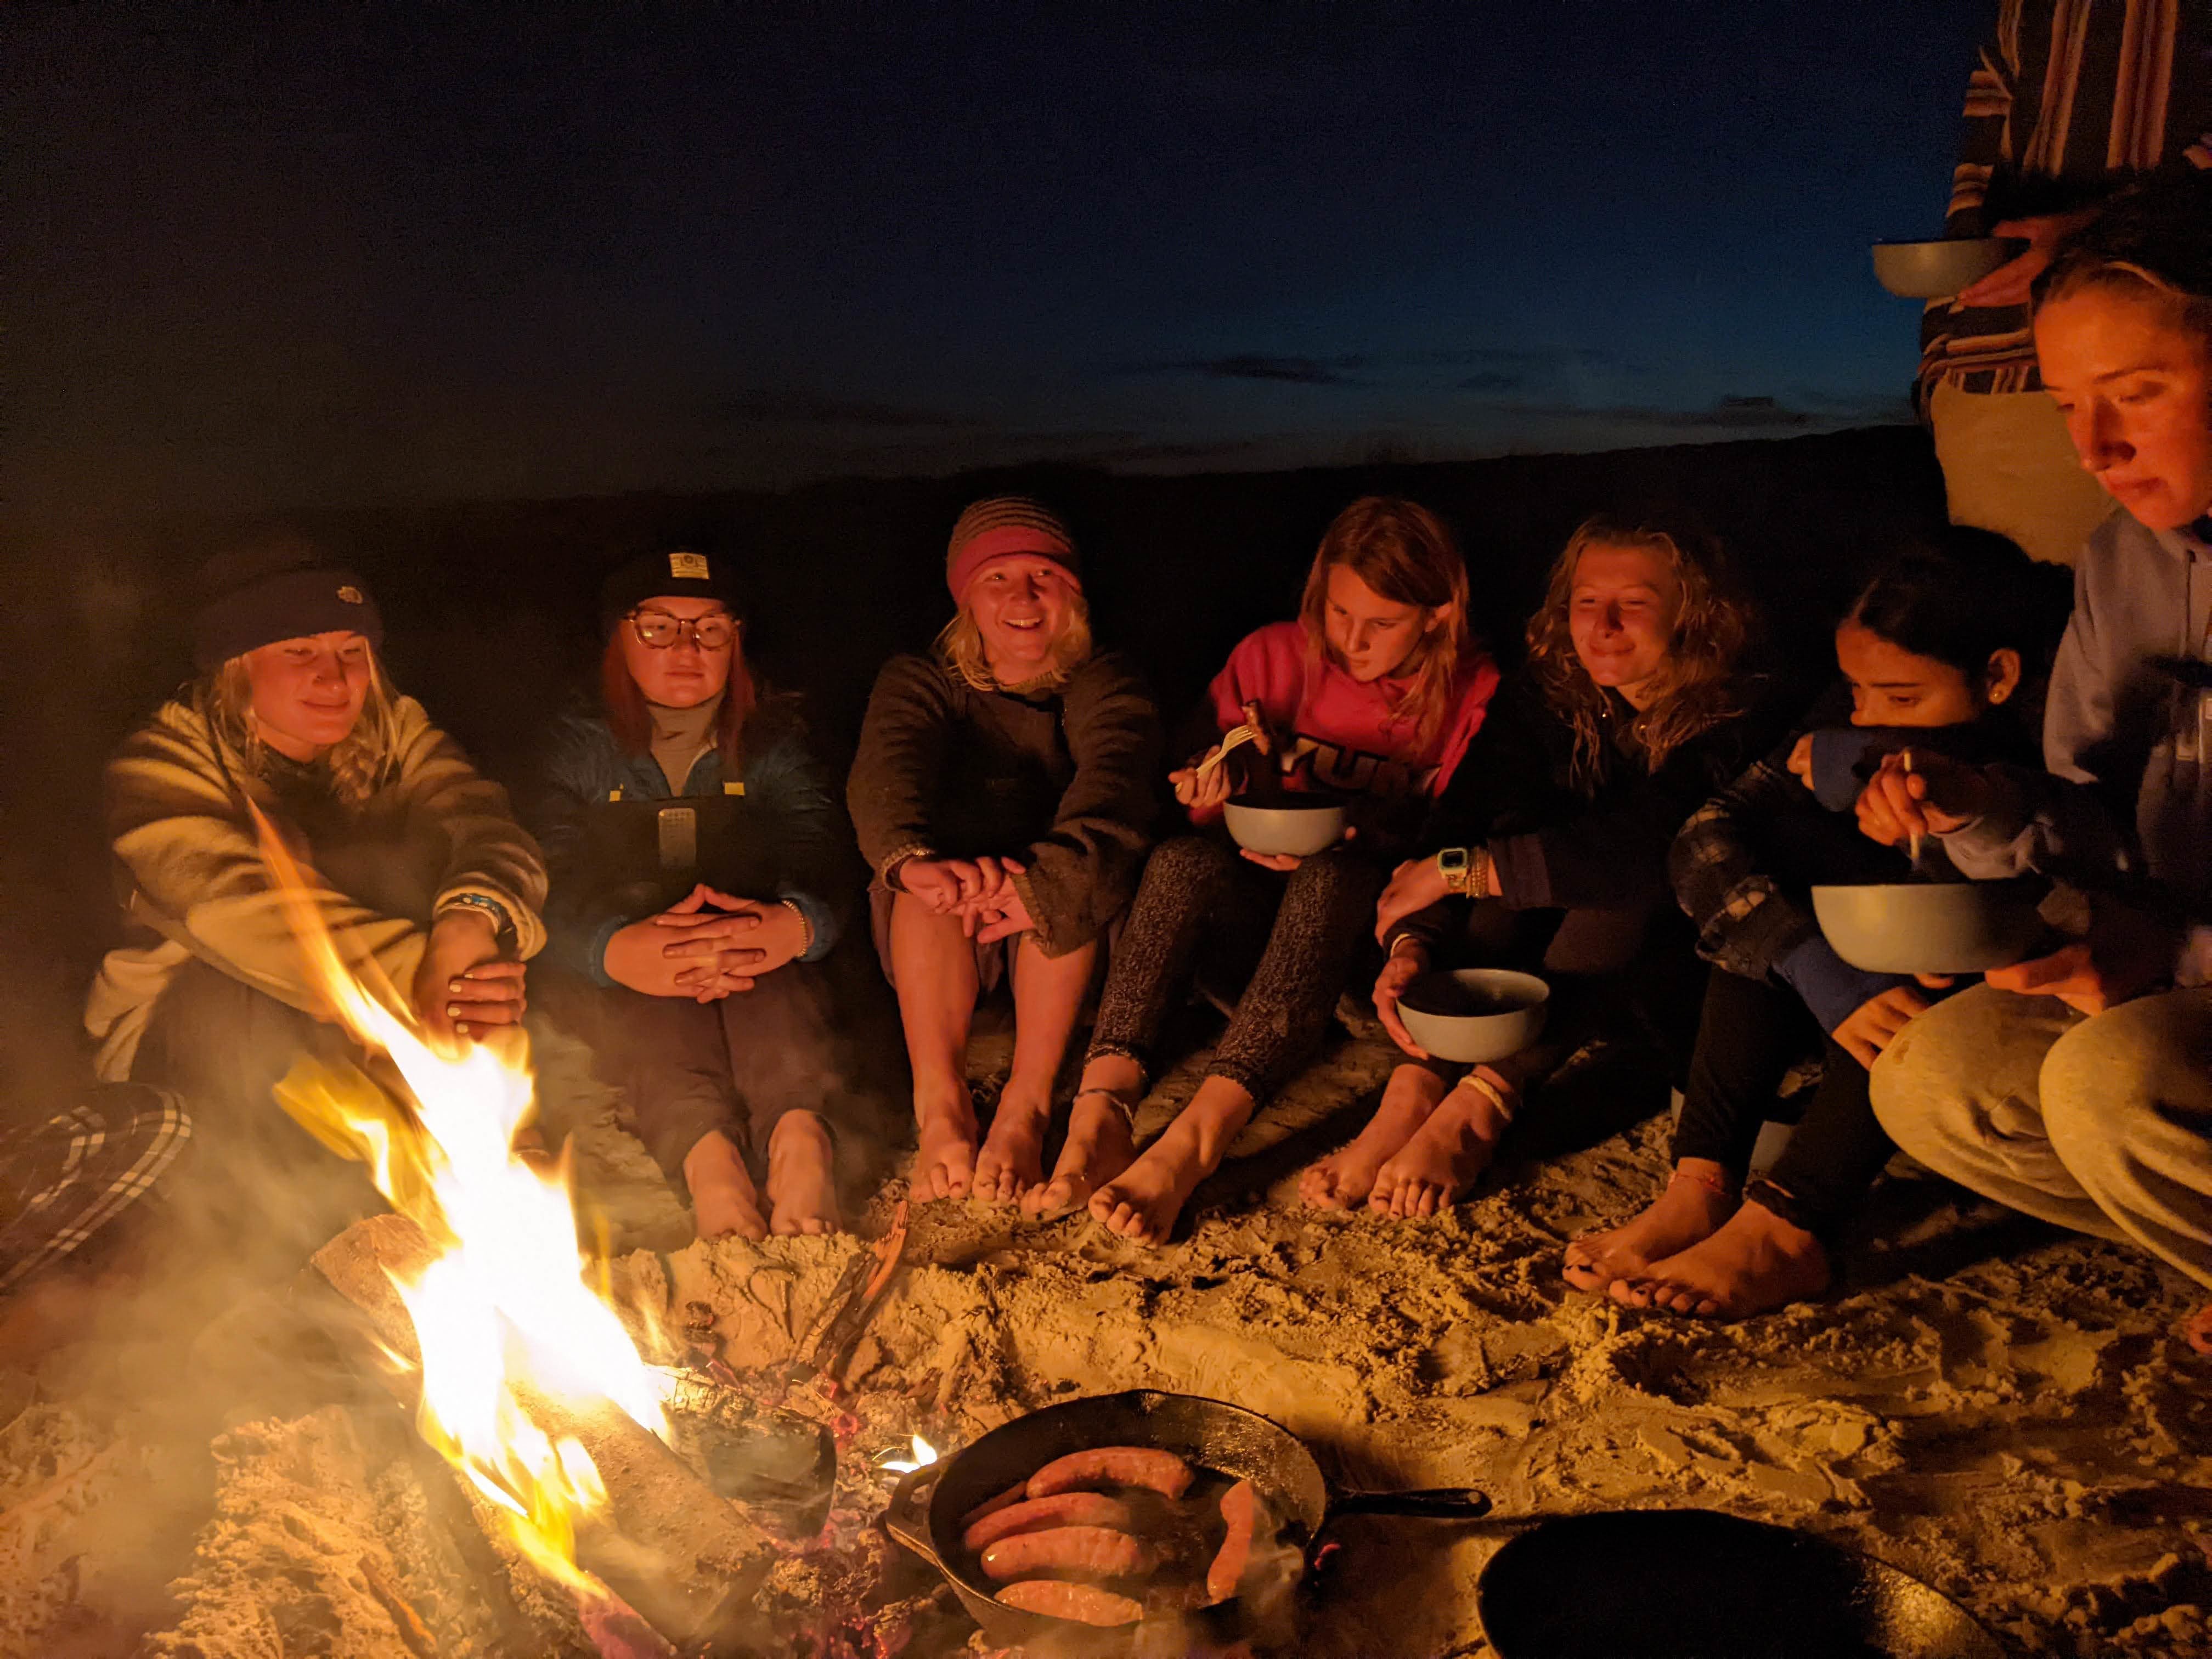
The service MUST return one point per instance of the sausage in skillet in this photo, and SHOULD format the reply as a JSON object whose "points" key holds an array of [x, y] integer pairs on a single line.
{"points": [[1240, 1508], [1087, 1551], [1006, 1499], [1065, 1508], [1114, 1466], [1084, 1603]]}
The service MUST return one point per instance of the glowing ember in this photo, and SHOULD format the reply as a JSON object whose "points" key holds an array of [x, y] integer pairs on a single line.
{"points": [[505, 1306]]}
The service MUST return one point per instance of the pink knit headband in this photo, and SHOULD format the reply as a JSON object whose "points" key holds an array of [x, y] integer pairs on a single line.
{"points": [[1010, 541]]}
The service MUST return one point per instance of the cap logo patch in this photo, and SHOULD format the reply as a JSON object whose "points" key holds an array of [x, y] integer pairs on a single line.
{"points": [[688, 566], [351, 595]]}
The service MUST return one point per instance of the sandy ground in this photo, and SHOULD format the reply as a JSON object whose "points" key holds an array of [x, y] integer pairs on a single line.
{"points": [[1999, 1409]]}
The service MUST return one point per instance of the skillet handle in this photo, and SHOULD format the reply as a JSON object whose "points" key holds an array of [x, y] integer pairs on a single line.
{"points": [[1439, 1503], [906, 1517]]}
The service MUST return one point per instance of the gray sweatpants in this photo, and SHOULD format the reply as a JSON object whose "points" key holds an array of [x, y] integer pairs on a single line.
{"points": [[2103, 1125]]}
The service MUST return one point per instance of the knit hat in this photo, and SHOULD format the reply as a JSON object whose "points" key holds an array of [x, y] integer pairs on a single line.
{"points": [[271, 591], [668, 574], [1001, 525]]}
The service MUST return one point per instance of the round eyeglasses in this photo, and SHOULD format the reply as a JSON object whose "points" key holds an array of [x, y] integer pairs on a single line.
{"points": [[659, 630]]}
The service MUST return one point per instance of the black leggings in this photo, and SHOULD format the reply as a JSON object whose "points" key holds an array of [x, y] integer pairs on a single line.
{"points": [[1290, 940], [1750, 1035]]}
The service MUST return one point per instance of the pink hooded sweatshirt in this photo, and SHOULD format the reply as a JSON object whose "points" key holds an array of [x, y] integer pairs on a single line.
{"points": [[1347, 737]]}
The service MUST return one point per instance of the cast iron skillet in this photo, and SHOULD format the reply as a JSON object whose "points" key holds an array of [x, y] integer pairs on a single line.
{"points": [[1698, 1585], [1650, 1583], [926, 1510]]}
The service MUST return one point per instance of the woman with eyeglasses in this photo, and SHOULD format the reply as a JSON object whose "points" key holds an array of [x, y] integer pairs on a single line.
{"points": [[697, 866]]}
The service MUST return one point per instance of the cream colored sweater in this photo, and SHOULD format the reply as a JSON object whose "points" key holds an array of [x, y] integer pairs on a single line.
{"points": [[194, 884]]}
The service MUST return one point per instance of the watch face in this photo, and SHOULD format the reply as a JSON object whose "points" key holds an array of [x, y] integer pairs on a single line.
{"points": [[1452, 860]]}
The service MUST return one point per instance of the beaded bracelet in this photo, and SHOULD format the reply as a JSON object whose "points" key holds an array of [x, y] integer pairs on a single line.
{"points": [[502, 920], [805, 926]]}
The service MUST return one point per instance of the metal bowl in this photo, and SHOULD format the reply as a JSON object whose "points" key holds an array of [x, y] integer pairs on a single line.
{"points": [[1288, 827], [1932, 927], [1475, 1015], [1937, 270]]}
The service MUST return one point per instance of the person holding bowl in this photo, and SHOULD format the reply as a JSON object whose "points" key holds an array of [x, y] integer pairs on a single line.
{"points": [[1632, 711], [1941, 654], [1373, 695], [2073, 1086]]}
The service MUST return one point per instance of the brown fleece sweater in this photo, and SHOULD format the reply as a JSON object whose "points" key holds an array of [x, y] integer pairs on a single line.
{"points": [[1063, 781]]}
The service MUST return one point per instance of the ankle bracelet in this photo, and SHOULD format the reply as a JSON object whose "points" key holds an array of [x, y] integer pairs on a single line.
{"points": [[1128, 1109], [1483, 1086], [1710, 1183]]}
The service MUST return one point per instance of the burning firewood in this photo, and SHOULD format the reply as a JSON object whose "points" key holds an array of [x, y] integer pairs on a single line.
{"points": [[686, 1558]]}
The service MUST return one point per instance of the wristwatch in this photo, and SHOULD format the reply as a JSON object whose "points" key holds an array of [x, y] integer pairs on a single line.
{"points": [[1466, 870]]}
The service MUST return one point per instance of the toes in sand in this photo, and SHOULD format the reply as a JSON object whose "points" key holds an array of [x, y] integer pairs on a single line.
{"points": [[944, 1152], [1445, 1156], [1098, 1149], [1142, 1202], [1012, 1158], [1756, 1263], [1687, 1212], [723, 1200], [802, 1177], [1347, 1175]]}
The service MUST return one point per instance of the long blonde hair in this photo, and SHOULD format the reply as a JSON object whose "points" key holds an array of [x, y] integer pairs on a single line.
{"points": [[1693, 692], [960, 647], [1403, 552], [358, 765]]}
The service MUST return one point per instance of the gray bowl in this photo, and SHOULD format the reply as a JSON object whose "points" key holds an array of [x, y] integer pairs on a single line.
{"points": [[1937, 270], [1932, 927], [1474, 1014], [1291, 829]]}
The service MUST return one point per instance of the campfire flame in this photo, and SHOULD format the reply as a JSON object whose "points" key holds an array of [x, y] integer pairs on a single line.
{"points": [[924, 1455], [505, 1306]]}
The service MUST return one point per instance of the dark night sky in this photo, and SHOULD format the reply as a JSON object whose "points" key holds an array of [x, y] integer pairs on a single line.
{"points": [[328, 254]]}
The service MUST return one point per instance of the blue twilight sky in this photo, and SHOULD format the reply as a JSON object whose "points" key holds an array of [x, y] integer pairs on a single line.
{"points": [[350, 253]]}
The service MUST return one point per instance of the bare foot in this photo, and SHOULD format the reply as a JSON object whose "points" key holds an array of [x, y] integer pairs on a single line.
{"points": [[802, 1176], [1756, 1263], [723, 1200], [1446, 1155], [945, 1154], [1687, 1212], [1346, 1176], [1098, 1149], [1142, 1202], [1012, 1162], [2196, 1331]]}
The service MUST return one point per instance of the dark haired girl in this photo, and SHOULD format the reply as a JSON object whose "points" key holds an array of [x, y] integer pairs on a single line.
{"points": [[696, 866], [1934, 653]]}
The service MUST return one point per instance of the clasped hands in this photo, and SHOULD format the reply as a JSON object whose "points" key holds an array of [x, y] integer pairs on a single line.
{"points": [[708, 946], [981, 891]]}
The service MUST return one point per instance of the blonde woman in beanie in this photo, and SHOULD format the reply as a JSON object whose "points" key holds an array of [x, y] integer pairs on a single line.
{"points": [[413, 862], [1003, 795]]}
